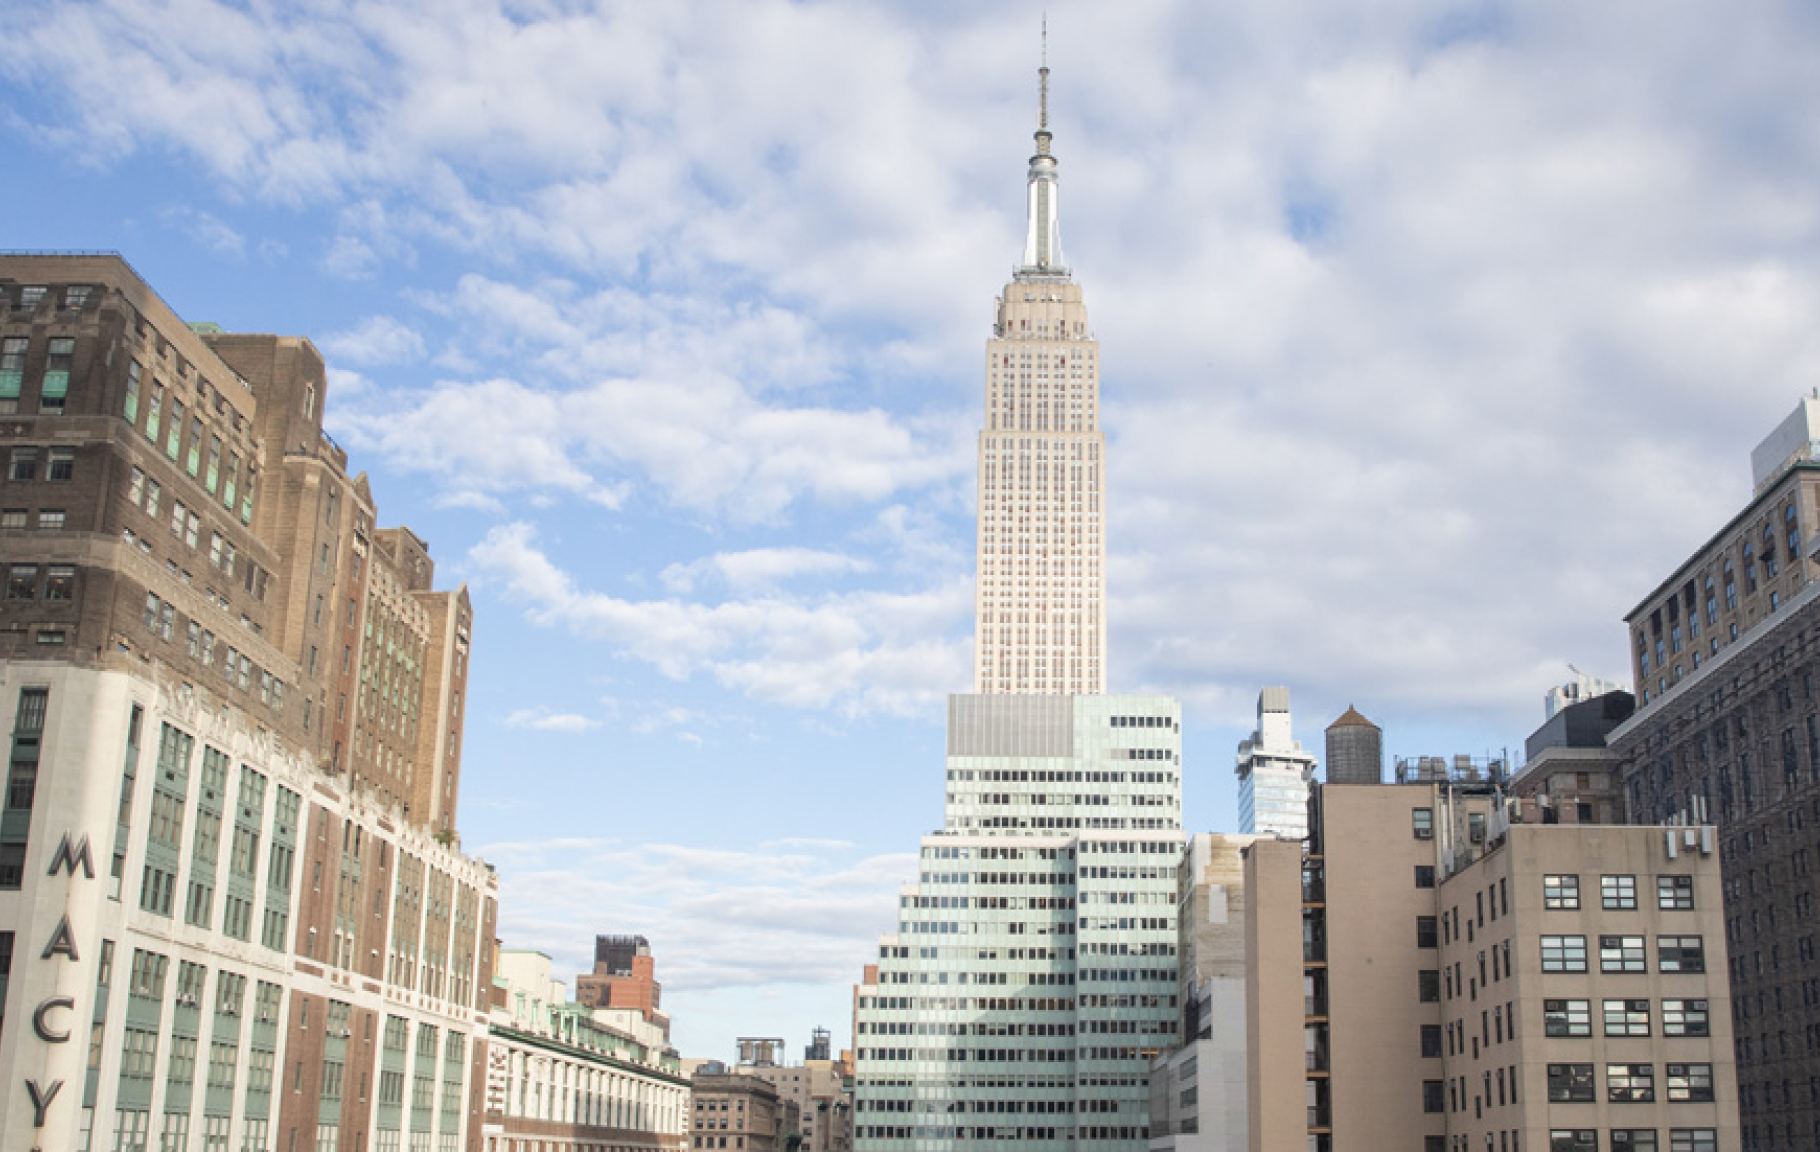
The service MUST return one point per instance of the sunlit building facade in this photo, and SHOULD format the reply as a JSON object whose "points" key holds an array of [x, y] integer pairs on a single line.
{"points": [[1033, 974], [233, 912]]}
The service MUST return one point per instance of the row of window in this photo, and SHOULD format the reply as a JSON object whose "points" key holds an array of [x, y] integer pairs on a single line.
{"points": [[145, 493], [30, 296], [22, 463], [53, 382], [237, 668], [1634, 1140], [57, 582], [1630, 1083], [49, 519], [1674, 893], [1624, 954], [222, 476], [1625, 1018]]}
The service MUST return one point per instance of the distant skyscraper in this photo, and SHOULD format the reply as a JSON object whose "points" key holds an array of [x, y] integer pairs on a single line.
{"points": [[1355, 750], [1041, 625], [1581, 688], [1274, 773], [1033, 973]]}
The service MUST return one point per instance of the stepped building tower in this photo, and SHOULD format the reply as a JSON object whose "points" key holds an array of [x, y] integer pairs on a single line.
{"points": [[1033, 972]]}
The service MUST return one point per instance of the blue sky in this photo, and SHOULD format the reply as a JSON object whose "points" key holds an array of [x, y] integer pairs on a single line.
{"points": [[1434, 335]]}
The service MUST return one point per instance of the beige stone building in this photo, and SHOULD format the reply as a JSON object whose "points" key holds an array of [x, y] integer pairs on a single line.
{"points": [[1457, 982], [1198, 1092], [821, 1095], [232, 914], [1040, 595], [736, 1112]]}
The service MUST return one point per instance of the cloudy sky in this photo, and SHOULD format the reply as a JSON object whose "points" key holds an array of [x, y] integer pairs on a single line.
{"points": [[1434, 335]]}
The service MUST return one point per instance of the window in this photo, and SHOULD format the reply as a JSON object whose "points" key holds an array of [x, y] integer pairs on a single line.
{"points": [[1434, 1096], [1630, 1083], [1425, 876], [13, 518], [1427, 932], [1573, 1140], [1622, 954], [22, 464], [1423, 822], [1431, 1041], [130, 409], [1567, 1018], [1570, 1083], [173, 440], [1561, 892], [1693, 1140], [1626, 1017], [1567, 953], [1428, 985], [50, 519], [1690, 1082], [54, 389], [12, 371], [60, 582], [1633, 1140], [22, 582], [1675, 893], [1680, 954], [62, 464], [1618, 893], [1684, 1018]]}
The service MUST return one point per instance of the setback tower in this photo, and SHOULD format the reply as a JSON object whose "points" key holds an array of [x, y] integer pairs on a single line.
{"points": [[1033, 973]]}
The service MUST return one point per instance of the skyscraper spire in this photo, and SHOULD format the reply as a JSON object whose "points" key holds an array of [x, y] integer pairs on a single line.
{"points": [[1043, 244], [1042, 101], [1040, 596]]}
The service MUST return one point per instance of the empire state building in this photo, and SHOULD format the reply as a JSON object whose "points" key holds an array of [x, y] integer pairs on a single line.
{"points": [[1039, 602], [1032, 975]]}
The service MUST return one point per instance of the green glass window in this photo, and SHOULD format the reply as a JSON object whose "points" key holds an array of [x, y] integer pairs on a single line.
{"points": [[131, 409], [55, 387], [12, 366]]}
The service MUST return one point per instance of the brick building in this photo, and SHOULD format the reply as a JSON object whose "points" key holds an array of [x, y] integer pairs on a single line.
{"points": [[624, 976], [1725, 653], [231, 912], [739, 1113]]}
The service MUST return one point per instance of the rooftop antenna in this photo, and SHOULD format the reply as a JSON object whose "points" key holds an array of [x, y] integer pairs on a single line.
{"points": [[1042, 111]]}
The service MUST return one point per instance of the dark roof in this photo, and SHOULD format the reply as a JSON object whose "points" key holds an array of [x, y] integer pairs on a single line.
{"points": [[1351, 719]]}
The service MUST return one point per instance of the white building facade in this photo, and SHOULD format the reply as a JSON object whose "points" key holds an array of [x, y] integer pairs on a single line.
{"points": [[1034, 972], [564, 1077], [167, 984]]}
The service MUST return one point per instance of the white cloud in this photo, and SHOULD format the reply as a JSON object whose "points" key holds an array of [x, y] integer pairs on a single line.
{"points": [[543, 720], [763, 567], [206, 229], [350, 258], [377, 341], [794, 911], [864, 651]]}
